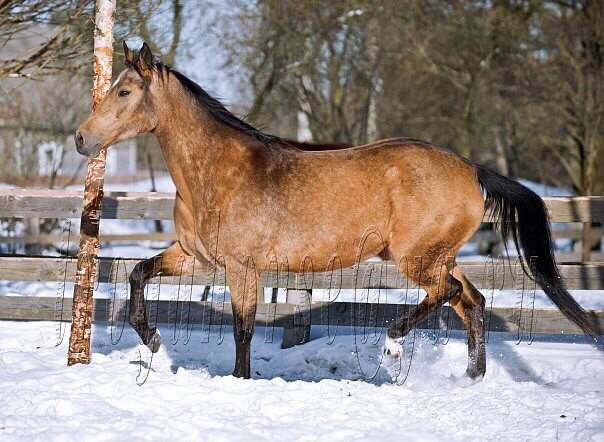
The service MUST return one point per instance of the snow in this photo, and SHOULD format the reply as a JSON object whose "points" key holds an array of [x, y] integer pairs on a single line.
{"points": [[547, 390]]}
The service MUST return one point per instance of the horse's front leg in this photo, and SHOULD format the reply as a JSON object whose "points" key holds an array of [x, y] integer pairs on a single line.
{"points": [[437, 295], [165, 264], [243, 302]]}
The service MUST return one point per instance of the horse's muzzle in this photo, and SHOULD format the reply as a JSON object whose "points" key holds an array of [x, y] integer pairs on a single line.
{"points": [[87, 144]]}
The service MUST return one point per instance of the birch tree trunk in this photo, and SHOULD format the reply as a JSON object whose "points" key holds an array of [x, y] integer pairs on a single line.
{"points": [[81, 322]]}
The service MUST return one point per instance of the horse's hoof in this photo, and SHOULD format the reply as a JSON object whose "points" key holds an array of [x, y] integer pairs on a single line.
{"points": [[393, 357], [155, 342], [474, 374], [241, 374], [393, 348]]}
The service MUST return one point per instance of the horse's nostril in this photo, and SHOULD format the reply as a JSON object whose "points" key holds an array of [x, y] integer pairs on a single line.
{"points": [[79, 139]]}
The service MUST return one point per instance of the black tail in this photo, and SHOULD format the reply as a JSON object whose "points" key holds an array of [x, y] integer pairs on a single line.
{"points": [[522, 213]]}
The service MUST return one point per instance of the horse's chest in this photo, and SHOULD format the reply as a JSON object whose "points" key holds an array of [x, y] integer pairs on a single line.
{"points": [[230, 233], [207, 233]]}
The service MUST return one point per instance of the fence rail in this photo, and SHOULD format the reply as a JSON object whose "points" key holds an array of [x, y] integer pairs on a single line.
{"points": [[489, 235], [505, 275], [290, 316], [74, 238], [33, 203]]}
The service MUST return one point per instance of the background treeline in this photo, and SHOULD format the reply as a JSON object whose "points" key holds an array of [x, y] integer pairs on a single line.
{"points": [[518, 85], [515, 84]]}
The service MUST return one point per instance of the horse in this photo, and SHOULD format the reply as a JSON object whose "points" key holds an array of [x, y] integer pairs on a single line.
{"points": [[400, 197], [302, 145]]}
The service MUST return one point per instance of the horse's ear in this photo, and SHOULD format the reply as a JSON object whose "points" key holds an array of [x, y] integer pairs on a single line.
{"points": [[128, 54], [145, 60]]}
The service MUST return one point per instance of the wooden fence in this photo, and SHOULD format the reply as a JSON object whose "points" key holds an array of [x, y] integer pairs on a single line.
{"points": [[162, 237], [42, 203], [299, 311]]}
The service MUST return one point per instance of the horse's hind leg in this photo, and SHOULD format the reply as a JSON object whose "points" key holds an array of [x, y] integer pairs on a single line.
{"points": [[439, 290], [164, 264], [469, 306]]}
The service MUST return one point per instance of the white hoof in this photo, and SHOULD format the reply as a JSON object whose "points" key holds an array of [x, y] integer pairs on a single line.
{"points": [[393, 348], [393, 357]]}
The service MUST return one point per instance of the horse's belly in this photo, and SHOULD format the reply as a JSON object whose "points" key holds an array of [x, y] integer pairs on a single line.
{"points": [[297, 245]]}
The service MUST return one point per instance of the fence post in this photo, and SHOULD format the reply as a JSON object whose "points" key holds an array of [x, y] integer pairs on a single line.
{"points": [[33, 228], [299, 332], [81, 322]]}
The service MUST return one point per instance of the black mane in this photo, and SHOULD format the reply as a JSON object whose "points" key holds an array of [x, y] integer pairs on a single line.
{"points": [[219, 112]]}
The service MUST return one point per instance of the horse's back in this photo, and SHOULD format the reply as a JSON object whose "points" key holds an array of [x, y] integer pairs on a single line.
{"points": [[404, 188]]}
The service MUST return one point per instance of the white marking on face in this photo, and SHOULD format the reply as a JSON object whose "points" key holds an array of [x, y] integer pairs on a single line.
{"points": [[119, 77]]}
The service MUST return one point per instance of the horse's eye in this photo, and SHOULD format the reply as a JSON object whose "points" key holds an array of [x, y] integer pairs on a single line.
{"points": [[123, 93]]}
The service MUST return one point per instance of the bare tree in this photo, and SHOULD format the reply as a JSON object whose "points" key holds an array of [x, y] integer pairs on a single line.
{"points": [[320, 61], [58, 33], [61, 28], [577, 95], [81, 323], [576, 90]]}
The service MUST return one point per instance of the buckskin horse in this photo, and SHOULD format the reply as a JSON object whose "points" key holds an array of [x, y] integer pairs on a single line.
{"points": [[273, 200]]}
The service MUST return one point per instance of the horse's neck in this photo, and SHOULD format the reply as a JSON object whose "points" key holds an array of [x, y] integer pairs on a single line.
{"points": [[199, 153]]}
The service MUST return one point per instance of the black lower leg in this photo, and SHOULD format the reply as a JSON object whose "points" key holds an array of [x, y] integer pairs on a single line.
{"points": [[242, 352], [477, 361], [242, 332], [402, 326], [138, 314], [242, 361]]}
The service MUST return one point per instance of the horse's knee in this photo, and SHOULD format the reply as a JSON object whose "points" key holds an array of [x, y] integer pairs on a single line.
{"points": [[244, 332], [137, 277], [137, 280]]}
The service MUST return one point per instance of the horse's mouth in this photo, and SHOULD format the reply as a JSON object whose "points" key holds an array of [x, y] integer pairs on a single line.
{"points": [[92, 152]]}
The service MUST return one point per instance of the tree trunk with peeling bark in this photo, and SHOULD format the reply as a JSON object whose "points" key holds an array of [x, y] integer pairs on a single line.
{"points": [[81, 324]]}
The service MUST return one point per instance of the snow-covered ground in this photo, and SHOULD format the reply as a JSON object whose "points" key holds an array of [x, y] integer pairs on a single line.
{"points": [[545, 391]]}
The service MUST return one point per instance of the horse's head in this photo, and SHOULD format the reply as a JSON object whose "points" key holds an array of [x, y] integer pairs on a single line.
{"points": [[128, 109]]}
